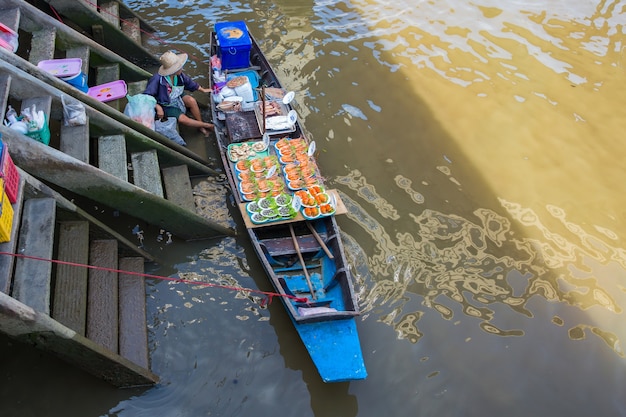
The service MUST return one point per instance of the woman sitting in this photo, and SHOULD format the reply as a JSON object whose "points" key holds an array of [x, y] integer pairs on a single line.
{"points": [[168, 87]]}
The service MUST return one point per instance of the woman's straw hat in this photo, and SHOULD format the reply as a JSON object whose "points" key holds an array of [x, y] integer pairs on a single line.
{"points": [[171, 63]]}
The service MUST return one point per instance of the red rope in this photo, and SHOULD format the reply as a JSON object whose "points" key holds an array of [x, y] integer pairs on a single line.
{"points": [[56, 14], [269, 296]]}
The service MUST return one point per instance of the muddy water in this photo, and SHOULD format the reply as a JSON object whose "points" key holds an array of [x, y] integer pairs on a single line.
{"points": [[478, 147]]}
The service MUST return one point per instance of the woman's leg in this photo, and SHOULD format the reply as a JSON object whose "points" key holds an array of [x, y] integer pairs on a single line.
{"points": [[193, 107]]}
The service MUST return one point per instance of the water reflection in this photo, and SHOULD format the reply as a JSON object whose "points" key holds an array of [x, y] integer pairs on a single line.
{"points": [[483, 262]]}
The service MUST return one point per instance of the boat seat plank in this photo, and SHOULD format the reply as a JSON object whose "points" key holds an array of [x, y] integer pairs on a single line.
{"points": [[178, 187], [70, 293], [132, 299], [36, 238], [284, 245], [298, 284], [102, 311]]}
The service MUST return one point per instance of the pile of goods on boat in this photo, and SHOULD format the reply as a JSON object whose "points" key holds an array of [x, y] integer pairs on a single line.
{"points": [[277, 177], [280, 181]]}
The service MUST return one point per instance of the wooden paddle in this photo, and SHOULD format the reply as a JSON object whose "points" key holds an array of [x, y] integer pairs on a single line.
{"points": [[263, 107], [306, 273], [320, 241]]}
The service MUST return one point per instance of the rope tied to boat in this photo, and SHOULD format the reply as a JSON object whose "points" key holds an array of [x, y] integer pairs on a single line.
{"points": [[267, 299]]}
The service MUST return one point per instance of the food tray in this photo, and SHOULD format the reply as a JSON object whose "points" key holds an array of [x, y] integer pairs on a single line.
{"points": [[68, 67], [251, 154], [283, 112], [109, 91]]}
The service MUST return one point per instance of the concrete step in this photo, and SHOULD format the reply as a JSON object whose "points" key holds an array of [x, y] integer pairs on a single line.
{"points": [[41, 103], [5, 87], [31, 284], [74, 141], [70, 299], [137, 87], [110, 13], [42, 45], [146, 172], [132, 317], [10, 17], [131, 27], [112, 156], [178, 187], [102, 315], [82, 52], [107, 74]]}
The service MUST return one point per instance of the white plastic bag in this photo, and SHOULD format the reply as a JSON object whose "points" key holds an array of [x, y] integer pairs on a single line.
{"points": [[140, 108], [167, 127], [73, 112]]}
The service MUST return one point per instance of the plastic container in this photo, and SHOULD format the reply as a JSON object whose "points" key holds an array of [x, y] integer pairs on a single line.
{"points": [[8, 38], [79, 81], [42, 135], [6, 218], [109, 91], [10, 175], [64, 68], [234, 44]]}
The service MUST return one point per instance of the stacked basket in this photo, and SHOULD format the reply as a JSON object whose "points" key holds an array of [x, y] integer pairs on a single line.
{"points": [[10, 179]]}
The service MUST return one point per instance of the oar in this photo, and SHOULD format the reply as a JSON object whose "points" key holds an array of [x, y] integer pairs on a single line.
{"points": [[306, 273], [263, 107], [320, 241]]}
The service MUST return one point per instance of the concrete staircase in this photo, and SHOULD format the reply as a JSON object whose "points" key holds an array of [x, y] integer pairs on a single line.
{"points": [[94, 319], [79, 158]]}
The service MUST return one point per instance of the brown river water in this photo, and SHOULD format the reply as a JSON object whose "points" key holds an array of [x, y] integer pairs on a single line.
{"points": [[479, 149]]}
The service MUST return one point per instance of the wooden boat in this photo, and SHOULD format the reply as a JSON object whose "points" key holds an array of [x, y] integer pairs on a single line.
{"points": [[303, 256]]}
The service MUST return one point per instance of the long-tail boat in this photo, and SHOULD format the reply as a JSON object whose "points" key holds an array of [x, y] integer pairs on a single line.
{"points": [[287, 210]]}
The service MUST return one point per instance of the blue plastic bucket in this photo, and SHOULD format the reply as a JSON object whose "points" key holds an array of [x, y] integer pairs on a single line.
{"points": [[79, 81]]}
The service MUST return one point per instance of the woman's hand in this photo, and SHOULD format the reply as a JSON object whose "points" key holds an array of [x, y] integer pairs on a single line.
{"points": [[159, 111], [204, 90]]}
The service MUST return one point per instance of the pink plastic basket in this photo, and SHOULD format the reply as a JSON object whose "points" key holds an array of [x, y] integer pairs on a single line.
{"points": [[109, 91]]}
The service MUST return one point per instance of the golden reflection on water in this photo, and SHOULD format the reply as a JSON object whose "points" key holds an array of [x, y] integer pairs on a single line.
{"points": [[481, 265]]}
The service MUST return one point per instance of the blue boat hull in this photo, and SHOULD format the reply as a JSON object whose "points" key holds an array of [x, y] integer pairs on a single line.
{"points": [[335, 349]]}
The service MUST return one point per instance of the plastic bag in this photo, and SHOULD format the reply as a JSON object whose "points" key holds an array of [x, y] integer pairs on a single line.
{"points": [[167, 127], [73, 113], [140, 108]]}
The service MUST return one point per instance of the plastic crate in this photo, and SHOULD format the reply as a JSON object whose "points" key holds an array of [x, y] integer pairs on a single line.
{"points": [[234, 44], [10, 175], [6, 218]]}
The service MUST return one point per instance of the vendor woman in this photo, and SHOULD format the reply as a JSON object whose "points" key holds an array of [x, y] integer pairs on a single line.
{"points": [[168, 86]]}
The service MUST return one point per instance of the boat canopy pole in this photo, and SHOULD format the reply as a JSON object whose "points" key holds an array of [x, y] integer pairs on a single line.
{"points": [[306, 273]]}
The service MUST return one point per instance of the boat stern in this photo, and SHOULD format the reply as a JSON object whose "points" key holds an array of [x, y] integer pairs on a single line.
{"points": [[335, 349]]}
